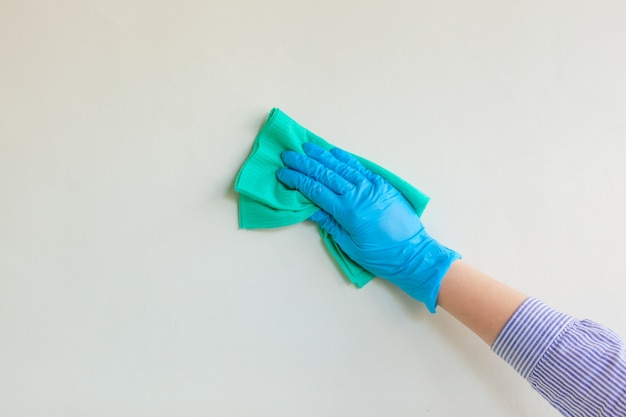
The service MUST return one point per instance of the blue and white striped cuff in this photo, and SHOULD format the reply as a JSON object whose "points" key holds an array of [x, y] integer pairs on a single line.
{"points": [[527, 335]]}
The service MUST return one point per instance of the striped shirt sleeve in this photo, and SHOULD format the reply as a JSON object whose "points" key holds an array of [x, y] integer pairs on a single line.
{"points": [[577, 365]]}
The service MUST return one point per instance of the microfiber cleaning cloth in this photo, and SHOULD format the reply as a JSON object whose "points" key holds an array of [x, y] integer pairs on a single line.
{"points": [[264, 202]]}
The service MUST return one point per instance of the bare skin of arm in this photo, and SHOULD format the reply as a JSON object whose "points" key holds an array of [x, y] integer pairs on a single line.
{"points": [[481, 303]]}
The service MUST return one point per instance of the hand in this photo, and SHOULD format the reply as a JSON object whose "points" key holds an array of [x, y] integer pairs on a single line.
{"points": [[369, 219]]}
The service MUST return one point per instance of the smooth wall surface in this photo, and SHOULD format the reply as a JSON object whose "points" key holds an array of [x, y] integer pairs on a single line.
{"points": [[126, 288]]}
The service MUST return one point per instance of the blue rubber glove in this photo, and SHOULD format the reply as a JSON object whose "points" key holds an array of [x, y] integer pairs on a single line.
{"points": [[369, 219]]}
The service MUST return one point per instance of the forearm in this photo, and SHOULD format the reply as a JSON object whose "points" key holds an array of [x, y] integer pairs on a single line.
{"points": [[478, 301], [578, 366]]}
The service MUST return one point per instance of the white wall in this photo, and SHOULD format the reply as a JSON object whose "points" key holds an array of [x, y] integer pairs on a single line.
{"points": [[126, 288]]}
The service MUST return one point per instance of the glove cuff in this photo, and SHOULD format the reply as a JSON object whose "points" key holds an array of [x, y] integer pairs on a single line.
{"points": [[425, 281], [439, 270]]}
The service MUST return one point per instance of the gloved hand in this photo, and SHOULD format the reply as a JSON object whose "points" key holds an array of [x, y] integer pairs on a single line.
{"points": [[369, 219]]}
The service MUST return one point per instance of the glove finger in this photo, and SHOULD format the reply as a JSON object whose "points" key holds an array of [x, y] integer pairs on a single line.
{"points": [[317, 171], [331, 162], [311, 189], [333, 228], [353, 163]]}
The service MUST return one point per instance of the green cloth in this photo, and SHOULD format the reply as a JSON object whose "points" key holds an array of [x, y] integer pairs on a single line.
{"points": [[264, 202]]}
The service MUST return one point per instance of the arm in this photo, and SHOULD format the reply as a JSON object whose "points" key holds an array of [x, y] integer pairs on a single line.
{"points": [[578, 366]]}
